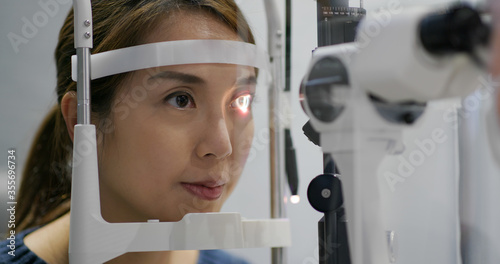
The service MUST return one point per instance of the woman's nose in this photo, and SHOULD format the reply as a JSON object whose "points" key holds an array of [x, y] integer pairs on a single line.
{"points": [[215, 140]]}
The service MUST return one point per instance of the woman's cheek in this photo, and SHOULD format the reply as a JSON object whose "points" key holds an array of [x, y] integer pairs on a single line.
{"points": [[246, 141], [241, 149]]}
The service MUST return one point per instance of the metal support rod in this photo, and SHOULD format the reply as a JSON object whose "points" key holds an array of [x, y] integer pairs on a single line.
{"points": [[277, 210], [321, 240], [331, 239], [83, 86], [275, 41], [276, 158]]}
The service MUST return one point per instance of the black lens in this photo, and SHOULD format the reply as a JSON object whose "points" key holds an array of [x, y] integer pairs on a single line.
{"points": [[324, 87]]}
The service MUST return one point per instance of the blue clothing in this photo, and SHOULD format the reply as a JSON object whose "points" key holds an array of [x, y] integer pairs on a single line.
{"points": [[18, 253], [23, 255]]}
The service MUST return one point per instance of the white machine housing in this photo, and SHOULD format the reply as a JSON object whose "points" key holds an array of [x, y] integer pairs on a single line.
{"points": [[388, 61]]}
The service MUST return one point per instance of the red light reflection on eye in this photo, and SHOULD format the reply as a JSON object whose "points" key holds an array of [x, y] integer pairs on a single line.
{"points": [[242, 103]]}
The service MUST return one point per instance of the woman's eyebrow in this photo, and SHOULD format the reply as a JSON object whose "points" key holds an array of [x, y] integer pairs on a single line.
{"points": [[250, 80], [193, 79], [178, 76]]}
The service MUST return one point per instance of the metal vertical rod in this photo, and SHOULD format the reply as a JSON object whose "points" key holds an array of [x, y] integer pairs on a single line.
{"points": [[321, 241], [276, 159], [275, 35], [277, 210], [83, 86], [331, 238]]}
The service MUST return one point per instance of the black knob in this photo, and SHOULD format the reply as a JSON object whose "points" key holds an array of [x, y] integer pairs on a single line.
{"points": [[325, 193]]}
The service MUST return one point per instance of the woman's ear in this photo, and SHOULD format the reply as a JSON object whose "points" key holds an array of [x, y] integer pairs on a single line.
{"points": [[69, 105]]}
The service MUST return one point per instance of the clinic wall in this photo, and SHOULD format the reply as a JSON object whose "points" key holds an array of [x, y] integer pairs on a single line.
{"points": [[27, 78], [27, 81]]}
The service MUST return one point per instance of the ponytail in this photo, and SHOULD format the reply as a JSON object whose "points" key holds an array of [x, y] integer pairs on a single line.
{"points": [[46, 180]]}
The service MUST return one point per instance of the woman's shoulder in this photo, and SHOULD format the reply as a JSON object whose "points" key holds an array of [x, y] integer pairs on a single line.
{"points": [[219, 257], [14, 251]]}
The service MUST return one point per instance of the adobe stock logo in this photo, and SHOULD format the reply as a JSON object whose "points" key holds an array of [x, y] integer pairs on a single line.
{"points": [[30, 28]]}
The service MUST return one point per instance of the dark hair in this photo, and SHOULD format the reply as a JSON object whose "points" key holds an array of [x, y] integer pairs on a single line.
{"points": [[45, 191]]}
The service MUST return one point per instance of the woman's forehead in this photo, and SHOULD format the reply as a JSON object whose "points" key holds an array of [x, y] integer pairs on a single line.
{"points": [[185, 37], [183, 25]]}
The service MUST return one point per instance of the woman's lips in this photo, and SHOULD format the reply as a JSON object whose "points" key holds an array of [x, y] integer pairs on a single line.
{"points": [[205, 191]]}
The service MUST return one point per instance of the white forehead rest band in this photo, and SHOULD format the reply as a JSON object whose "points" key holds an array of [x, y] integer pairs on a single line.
{"points": [[173, 53]]}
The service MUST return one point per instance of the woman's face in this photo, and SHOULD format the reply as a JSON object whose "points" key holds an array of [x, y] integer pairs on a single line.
{"points": [[495, 66], [181, 134]]}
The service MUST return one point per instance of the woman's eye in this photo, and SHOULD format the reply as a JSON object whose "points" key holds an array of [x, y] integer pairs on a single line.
{"points": [[242, 103], [180, 100]]}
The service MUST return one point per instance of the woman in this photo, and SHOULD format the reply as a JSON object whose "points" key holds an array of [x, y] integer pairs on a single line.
{"points": [[495, 62], [178, 150]]}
